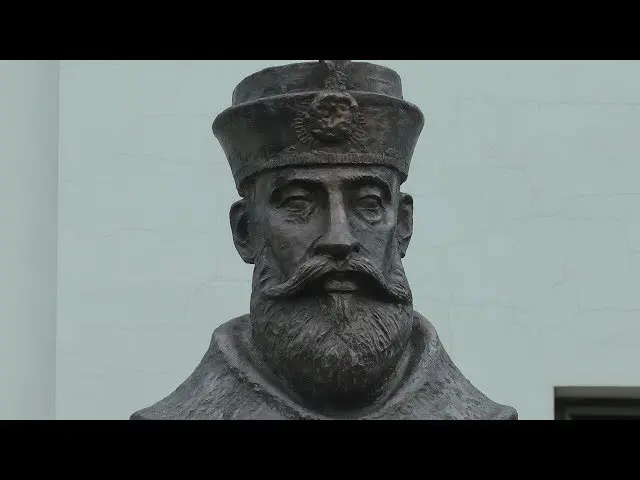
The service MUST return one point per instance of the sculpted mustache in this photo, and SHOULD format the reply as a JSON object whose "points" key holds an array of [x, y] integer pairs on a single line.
{"points": [[313, 269]]}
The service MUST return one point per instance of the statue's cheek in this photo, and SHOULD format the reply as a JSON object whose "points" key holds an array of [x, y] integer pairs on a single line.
{"points": [[291, 243], [376, 241]]}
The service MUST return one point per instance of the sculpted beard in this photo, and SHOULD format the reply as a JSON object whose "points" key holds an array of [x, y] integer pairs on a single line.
{"points": [[331, 347]]}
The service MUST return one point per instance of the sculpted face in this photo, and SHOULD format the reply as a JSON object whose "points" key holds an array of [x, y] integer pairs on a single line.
{"points": [[331, 307], [332, 212]]}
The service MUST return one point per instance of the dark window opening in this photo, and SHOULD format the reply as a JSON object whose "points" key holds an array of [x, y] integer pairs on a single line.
{"points": [[597, 403]]}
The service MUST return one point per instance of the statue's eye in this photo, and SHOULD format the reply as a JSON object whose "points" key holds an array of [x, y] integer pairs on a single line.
{"points": [[370, 208], [369, 202], [296, 204]]}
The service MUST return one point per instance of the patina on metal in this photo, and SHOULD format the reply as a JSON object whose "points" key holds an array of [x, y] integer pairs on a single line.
{"points": [[318, 152]]}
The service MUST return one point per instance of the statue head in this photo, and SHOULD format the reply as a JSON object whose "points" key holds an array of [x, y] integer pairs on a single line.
{"points": [[319, 152]]}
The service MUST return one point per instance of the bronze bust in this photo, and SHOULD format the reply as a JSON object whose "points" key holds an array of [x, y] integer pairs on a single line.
{"points": [[318, 152]]}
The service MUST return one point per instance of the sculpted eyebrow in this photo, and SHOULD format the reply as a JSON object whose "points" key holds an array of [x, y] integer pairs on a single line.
{"points": [[362, 180], [280, 183]]}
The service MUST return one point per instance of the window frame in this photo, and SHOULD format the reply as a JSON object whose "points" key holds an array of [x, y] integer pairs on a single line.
{"points": [[604, 403]]}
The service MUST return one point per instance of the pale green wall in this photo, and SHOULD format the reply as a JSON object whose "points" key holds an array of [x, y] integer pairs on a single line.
{"points": [[28, 229]]}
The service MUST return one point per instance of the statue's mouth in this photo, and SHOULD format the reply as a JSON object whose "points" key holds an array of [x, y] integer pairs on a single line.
{"points": [[344, 281], [340, 283]]}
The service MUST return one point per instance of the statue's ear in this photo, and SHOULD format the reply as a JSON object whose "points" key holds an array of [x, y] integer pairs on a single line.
{"points": [[239, 218], [405, 223]]}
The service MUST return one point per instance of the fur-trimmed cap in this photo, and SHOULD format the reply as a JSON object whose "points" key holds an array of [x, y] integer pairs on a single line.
{"points": [[318, 113]]}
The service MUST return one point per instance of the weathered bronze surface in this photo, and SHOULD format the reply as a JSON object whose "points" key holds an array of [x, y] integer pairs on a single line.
{"points": [[318, 152]]}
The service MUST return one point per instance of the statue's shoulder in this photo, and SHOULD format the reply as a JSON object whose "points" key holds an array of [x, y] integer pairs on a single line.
{"points": [[440, 390], [211, 384], [148, 413], [505, 412], [468, 402]]}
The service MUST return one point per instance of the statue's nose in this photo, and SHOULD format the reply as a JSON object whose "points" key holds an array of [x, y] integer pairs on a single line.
{"points": [[337, 247], [338, 242]]}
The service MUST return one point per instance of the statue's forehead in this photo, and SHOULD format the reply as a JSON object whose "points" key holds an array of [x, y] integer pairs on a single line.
{"points": [[330, 174]]}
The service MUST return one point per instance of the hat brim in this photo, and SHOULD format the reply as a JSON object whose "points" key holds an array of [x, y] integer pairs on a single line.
{"points": [[270, 133]]}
